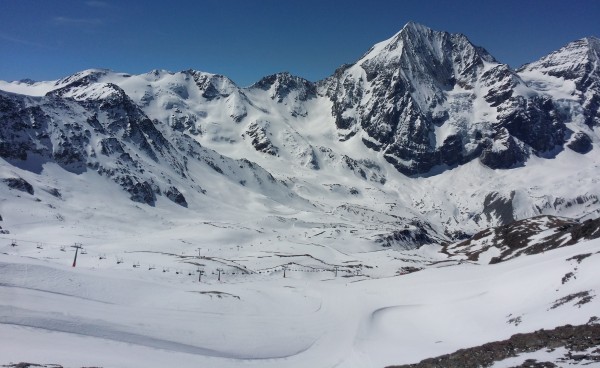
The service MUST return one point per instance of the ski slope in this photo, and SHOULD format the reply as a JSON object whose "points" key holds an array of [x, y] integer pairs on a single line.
{"points": [[121, 316]]}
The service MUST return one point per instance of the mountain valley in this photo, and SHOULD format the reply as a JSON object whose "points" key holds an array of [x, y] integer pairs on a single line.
{"points": [[425, 199]]}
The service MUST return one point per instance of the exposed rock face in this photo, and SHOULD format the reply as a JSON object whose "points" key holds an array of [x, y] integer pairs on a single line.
{"points": [[18, 184], [581, 143], [288, 90], [578, 63], [533, 121], [86, 124], [523, 237], [281, 85], [503, 151], [259, 137], [412, 236], [175, 195], [431, 99], [576, 339], [499, 207]]}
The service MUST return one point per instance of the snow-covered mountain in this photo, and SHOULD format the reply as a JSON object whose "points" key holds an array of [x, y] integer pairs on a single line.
{"points": [[432, 100], [571, 76], [387, 167], [423, 103]]}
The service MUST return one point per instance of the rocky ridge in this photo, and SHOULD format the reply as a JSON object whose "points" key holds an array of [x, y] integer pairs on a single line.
{"points": [[422, 103]]}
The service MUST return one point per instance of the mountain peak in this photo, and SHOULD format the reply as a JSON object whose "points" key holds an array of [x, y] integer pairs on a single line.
{"points": [[84, 76], [571, 61], [592, 38], [415, 38], [283, 83], [412, 26], [282, 78], [593, 45]]}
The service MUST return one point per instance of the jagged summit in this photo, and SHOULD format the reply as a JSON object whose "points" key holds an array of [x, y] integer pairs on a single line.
{"points": [[415, 38], [281, 77], [431, 100], [571, 60], [423, 102], [282, 84], [577, 63]]}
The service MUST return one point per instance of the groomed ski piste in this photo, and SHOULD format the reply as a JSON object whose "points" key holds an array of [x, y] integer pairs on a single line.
{"points": [[145, 306]]}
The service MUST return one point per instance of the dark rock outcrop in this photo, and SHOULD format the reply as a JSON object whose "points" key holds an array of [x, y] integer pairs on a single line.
{"points": [[259, 136], [522, 237], [175, 195], [282, 84], [19, 184], [503, 151], [576, 339], [581, 143]]}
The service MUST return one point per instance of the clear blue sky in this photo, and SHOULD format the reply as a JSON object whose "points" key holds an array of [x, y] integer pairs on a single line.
{"points": [[248, 39]]}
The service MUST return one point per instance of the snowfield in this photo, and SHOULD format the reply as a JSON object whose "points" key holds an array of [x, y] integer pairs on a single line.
{"points": [[120, 316], [423, 200]]}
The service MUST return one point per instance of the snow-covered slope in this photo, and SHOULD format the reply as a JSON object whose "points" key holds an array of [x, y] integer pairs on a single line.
{"points": [[571, 77], [424, 141], [113, 315], [423, 102]]}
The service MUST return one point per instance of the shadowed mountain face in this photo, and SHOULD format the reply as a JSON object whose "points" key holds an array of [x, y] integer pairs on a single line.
{"points": [[88, 125]]}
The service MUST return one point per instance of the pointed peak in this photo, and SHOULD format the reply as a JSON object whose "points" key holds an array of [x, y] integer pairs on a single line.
{"points": [[413, 30], [570, 60], [415, 38], [415, 27]]}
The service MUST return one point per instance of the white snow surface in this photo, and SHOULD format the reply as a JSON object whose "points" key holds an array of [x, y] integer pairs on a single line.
{"points": [[104, 314], [134, 299]]}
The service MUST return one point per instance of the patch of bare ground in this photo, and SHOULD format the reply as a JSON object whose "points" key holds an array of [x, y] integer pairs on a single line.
{"points": [[577, 340]]}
